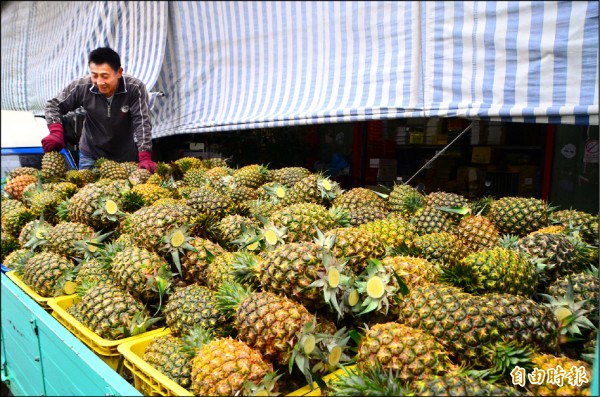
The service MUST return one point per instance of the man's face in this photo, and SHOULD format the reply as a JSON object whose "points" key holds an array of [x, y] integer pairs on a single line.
{"points": [[105, 78]]}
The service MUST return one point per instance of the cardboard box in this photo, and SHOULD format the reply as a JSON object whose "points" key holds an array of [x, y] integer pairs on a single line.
{"points": [[440, 139], [481, 155], [386, 169], [529, 180]]}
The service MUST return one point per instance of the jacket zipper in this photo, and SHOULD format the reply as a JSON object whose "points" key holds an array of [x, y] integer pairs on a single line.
{"points": [[108, 107]]}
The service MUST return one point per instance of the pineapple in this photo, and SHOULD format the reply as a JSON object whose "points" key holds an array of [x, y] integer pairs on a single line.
{"points": [[97, 204], [47, 272], [142, 273], [441, 248], [80, 178], [465, 323], [194, 305], [405, 200], [587, 224], [16, 259], [15, 219], [18, 171], [265, 321], [300, 220], [477, 232], [150, 225], [519, 216], [561, 254], [432, 220], [541, 374], [221, 270], [139, 176], [353, 243], [230, 228], [289, 176], [252, 176], [360, 197], [15, 186], [94, 271], [63, 237], [112, 313], [189, 163], [110, 169], [315, 188], [150, 193], [225, 365], [262, 208], [444, 199], [494, 270], [360, 215], [585, 288], [46, 202], [54, 166], [195, 263], [168, 354], [394, 232], [413, 270], [462, 385], [34, 234], [8, 244], [412, 353], [207, 201]]}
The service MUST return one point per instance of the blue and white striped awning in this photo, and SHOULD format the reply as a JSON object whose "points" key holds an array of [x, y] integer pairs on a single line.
{"points": [[246, 65], [45, 45]]}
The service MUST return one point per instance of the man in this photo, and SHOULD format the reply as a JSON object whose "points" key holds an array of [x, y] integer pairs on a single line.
{"points": [[117, 122]]}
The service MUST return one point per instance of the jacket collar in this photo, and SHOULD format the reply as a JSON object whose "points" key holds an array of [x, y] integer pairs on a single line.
{"points": [[122, 89]]}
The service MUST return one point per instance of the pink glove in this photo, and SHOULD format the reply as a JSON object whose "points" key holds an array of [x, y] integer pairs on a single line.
{"points": [[146, 162], [55, 141]]}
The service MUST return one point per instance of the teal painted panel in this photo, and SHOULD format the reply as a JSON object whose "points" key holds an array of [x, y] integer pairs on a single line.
{"points": [[20, 343], [69, 367]]}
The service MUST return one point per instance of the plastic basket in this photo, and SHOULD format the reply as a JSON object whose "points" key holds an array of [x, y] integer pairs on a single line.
{"points": [[316, 391], [104, 348], [42, 301], [147, 379]]}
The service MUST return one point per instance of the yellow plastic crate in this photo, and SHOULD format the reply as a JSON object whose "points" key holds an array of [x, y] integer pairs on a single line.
{"points": [[42, 301], [151, 382], [147, 379], [104, 348], [316, 391]]}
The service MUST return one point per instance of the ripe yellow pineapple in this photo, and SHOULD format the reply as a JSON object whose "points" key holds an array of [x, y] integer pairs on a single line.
{"points": [[15, 186], [54, 166]]}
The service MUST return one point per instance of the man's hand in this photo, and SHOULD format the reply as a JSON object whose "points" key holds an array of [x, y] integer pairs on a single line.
{"points": [[146, 161], [55, 141]]}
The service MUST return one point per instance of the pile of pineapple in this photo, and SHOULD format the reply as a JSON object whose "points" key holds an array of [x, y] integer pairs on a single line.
{"points": [[272, 278]]}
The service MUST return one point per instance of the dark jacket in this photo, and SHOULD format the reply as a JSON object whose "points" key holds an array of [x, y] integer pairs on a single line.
{"points": [[116, 131]]}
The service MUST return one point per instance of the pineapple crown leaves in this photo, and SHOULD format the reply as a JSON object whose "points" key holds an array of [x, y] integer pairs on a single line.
{"points": [[333, 280], [334, 351], [139, 323], [64, 284], [38, 234], [462, 276], [108, 209], [245, 267], [249, 239], [375, 287], [305, 348], [91, 247], [340, 215], [265, 387], [132, 201], [161, 282], [503, 355], [276, 192], [328, 188], [62, 210], [570, 314], [455, 210], [177, 240], [271, 236], [195, 339], [371, 381], [229, 297]]}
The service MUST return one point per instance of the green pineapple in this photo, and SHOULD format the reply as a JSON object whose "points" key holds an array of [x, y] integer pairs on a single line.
{"points": [[206, 201], [63, 237], [302, 220], [587, 224], [191, 306], [394, 232], [432, 220], [353, 243], [252, 176], [112, 313], [315, 188], [405, 200], [360, 197], [110, 169], [289, 176], [585, 288], [519, 216], [441, 248], [412, 353], [494, 270], [47, 272], [54, 166], [195, 263], [142, 273]]}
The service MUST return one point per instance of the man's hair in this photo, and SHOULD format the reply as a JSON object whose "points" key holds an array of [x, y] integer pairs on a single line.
{"points": [[105, 55]]}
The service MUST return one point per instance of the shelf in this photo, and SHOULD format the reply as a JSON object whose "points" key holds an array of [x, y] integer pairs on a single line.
{"points": [[502, 147]]}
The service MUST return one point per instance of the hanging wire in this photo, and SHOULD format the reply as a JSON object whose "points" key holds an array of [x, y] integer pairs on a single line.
{"points": [[438, 154]]}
